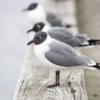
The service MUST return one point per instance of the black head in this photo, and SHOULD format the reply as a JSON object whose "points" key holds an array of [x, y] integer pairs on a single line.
{"points": [[31, 7], [37, 27], [39, 38]]}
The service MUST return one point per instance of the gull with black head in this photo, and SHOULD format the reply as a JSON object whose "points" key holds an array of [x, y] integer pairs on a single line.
{"points": [[64, 35], [37, 13], [59, 56]]}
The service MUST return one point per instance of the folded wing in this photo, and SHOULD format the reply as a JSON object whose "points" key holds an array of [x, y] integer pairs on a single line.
{"points": [[64, 55], [68, 37]]}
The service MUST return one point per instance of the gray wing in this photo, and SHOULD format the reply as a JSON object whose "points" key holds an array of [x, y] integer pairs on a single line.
{"points": [[66, 36], [64, 55], [53, 19], [82, 37]]}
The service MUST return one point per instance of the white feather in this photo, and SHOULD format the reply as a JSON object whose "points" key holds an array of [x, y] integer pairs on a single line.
{"points": [[46, 28], [85, 43], [37, 15]]}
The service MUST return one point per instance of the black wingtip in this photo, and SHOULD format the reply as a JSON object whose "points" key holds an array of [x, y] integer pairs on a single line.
{"points": [[97, 66], [91, 43], [94, 42]]}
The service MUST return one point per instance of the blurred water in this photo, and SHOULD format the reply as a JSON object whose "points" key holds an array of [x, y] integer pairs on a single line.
{"points": [[13, 40]]}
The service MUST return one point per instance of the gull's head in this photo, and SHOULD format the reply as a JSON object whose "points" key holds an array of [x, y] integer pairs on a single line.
{"points": [[37, 27], [39, 38], [31, 7]]}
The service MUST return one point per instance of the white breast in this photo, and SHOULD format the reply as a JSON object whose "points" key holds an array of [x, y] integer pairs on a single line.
{"points": [[40, 52], [35, 17]]}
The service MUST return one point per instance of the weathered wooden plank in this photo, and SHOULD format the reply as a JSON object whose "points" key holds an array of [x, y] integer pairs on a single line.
{"points": [[89, 22], [34, 77]]}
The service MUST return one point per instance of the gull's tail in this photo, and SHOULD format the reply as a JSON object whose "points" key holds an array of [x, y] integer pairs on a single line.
{"points": [[90, 43]]}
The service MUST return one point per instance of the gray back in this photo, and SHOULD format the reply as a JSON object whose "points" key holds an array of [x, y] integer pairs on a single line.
{"points": [[66, 36], [64, 55], [53, 19]]}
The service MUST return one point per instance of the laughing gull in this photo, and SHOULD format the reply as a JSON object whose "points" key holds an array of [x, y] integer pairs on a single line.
{"points": [[64, 35], [59, 56], [37, 13]]}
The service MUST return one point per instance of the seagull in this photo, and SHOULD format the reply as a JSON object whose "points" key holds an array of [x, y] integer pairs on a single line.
{"points": [[64, 35], [59, 56], [37, 13]]}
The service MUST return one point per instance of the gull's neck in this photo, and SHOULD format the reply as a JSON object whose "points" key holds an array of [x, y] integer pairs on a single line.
{"points": [[46, 28], [48, 40]]}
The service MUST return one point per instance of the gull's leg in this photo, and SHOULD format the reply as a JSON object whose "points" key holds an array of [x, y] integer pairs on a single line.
{"points": [[58, 72], [56, 82]]}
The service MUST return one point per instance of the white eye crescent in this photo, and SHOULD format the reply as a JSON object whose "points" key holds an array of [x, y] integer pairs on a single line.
{"points": [[40, 37], [38, 26]]}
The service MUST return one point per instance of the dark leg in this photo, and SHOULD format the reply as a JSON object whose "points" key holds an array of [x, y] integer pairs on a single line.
{"points": [[56, 82], [57, 77]]}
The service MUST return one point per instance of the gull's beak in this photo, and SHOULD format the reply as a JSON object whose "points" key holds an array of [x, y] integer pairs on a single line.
{"points": [[29, 30], [30, 42], [24, 9]]}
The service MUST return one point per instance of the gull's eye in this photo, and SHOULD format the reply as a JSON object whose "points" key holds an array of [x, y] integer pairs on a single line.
{"points": [[40, 37]]}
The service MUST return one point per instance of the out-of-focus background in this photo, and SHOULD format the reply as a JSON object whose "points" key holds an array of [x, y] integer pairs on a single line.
{"points": [[88, 18], [13, 41]]}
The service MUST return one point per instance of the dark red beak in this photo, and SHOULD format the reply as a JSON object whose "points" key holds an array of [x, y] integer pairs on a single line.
{"points": [[30, 42]]}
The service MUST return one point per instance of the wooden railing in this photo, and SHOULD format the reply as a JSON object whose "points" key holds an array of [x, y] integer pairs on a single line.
{"points": [[34, 77]]}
